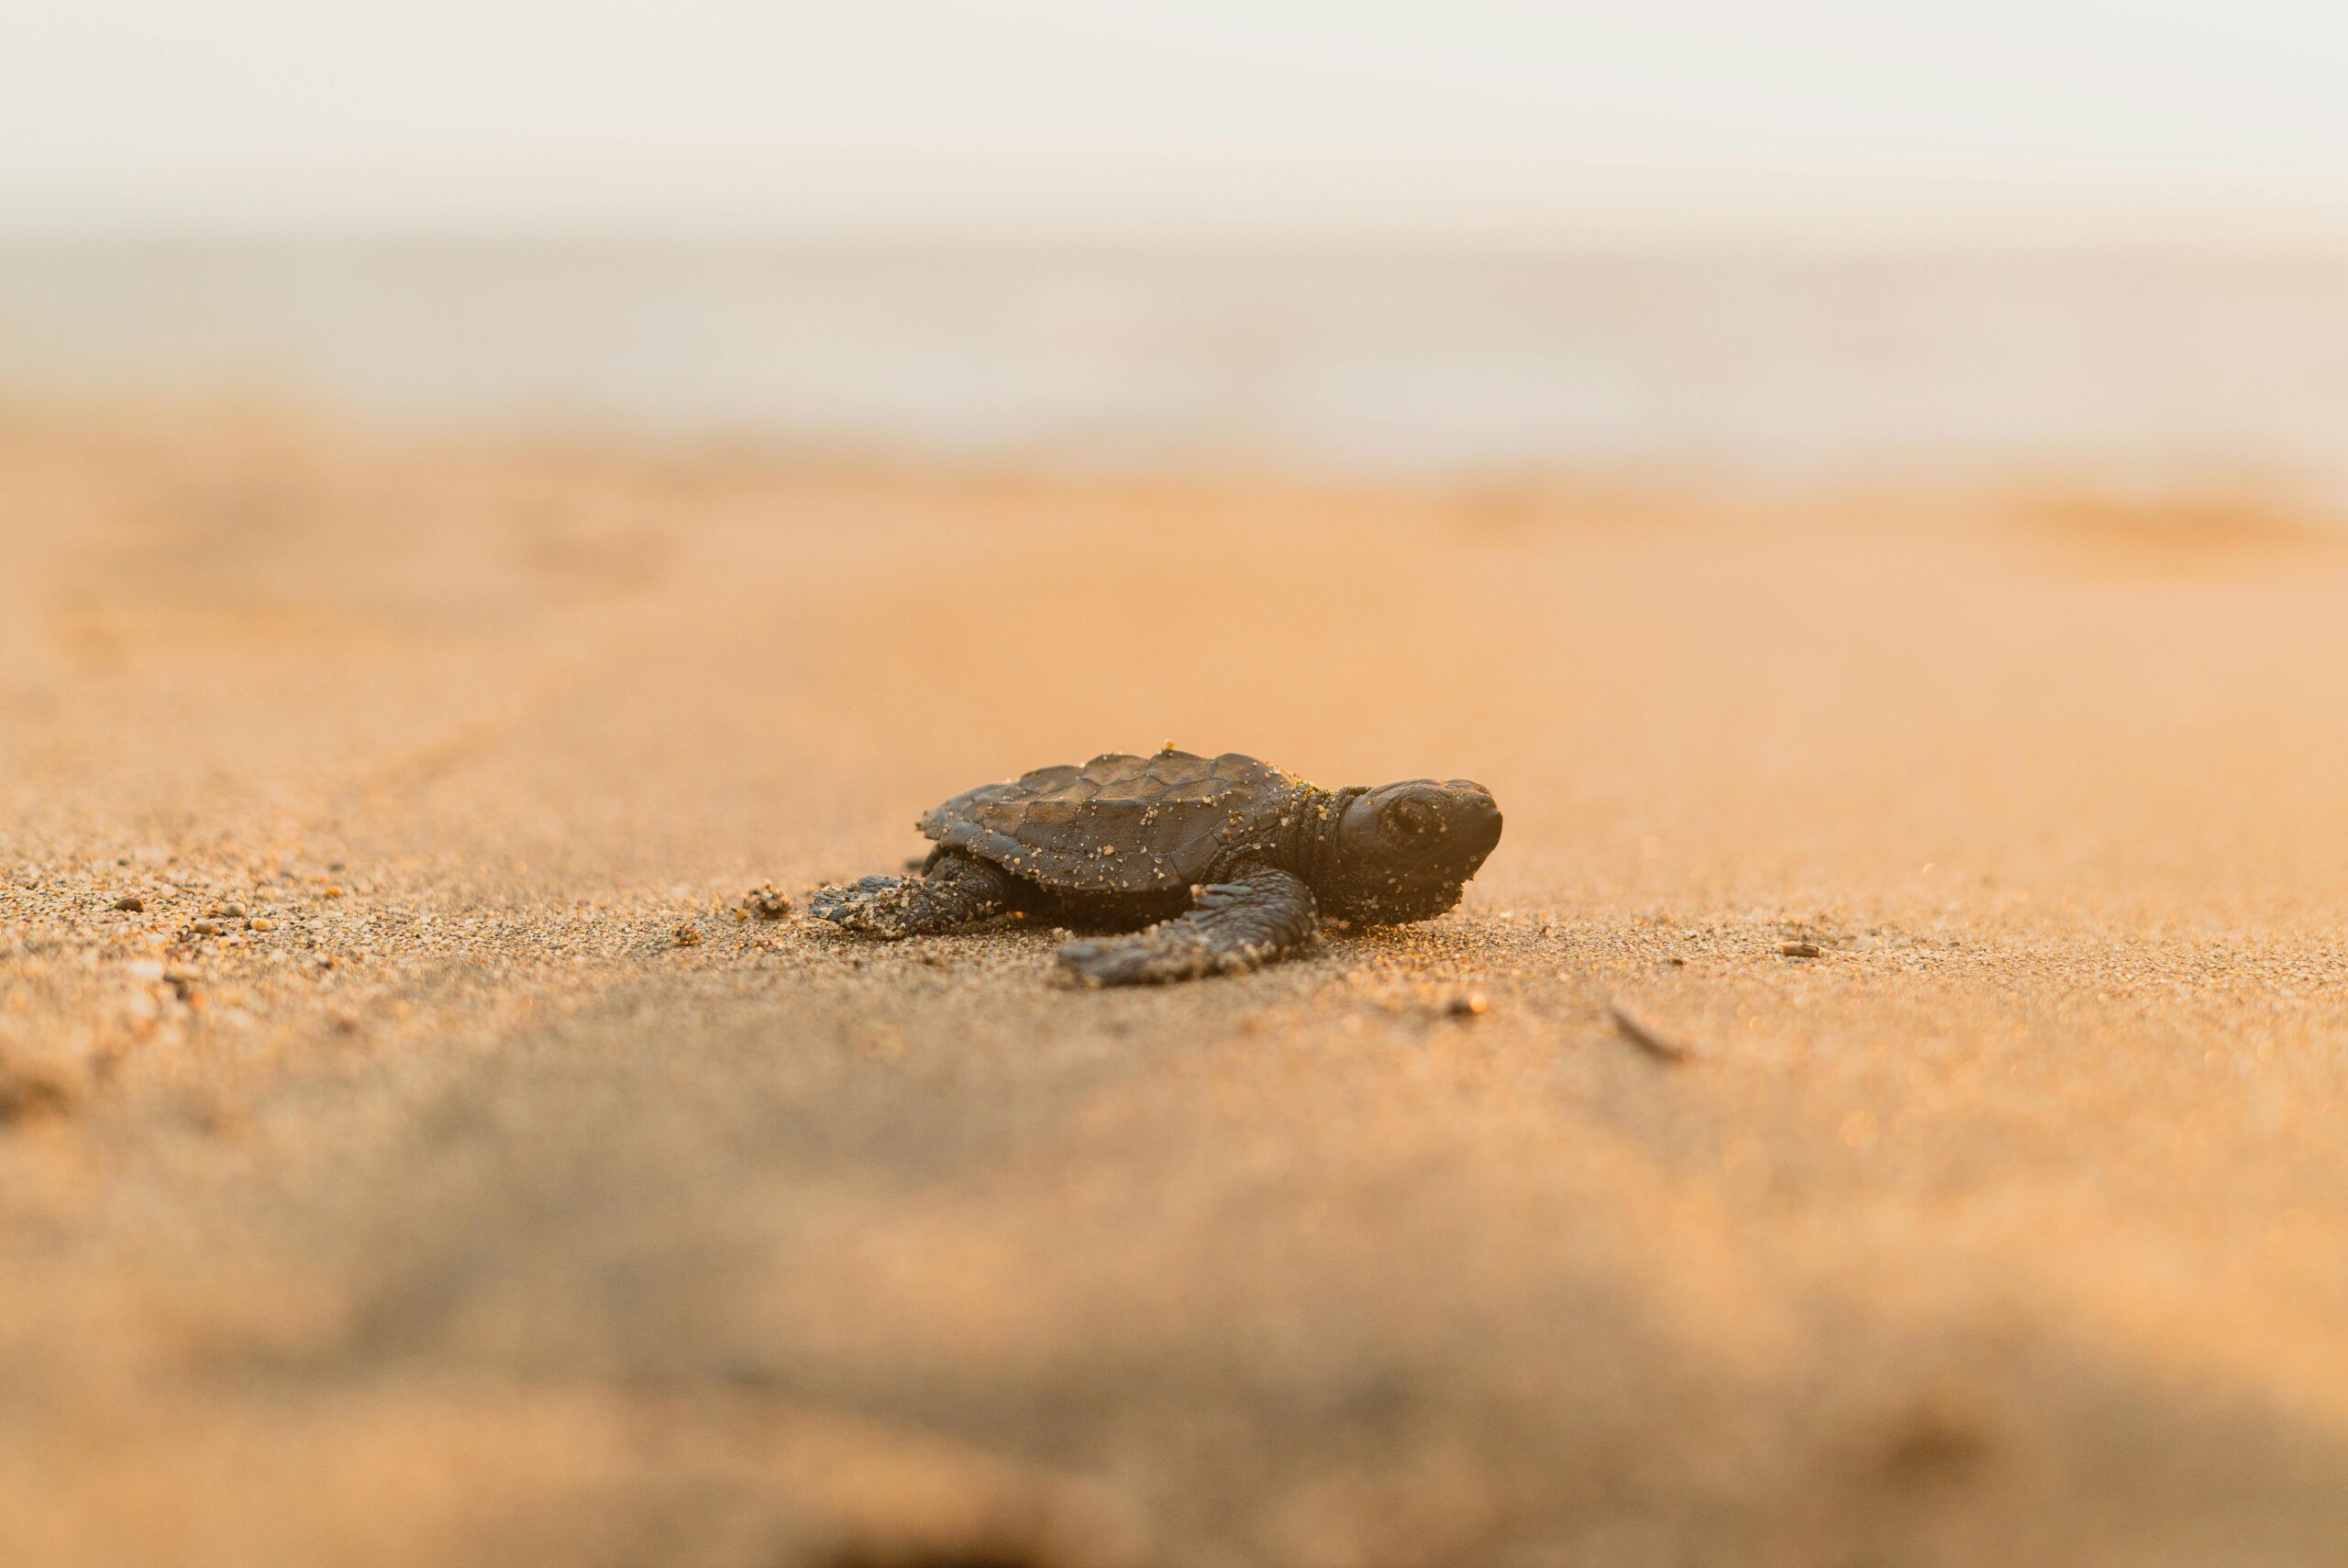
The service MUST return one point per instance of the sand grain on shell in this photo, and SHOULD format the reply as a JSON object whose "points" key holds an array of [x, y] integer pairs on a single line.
{"points": [[447, 1206]]}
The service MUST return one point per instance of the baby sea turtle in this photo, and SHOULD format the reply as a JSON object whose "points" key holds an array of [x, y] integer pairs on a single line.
{"points": [[1227, 862]]}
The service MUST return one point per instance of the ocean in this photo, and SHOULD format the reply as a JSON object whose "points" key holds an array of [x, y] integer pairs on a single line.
{"points": [[1780, 367]]}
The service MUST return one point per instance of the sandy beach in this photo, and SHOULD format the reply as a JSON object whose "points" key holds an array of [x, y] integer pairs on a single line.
{"points": [[393, 1184]]}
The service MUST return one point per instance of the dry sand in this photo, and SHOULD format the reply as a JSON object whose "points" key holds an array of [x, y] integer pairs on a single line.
{"points": [[459, 1214]]}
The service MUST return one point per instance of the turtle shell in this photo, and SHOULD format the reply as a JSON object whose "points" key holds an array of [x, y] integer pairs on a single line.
{"points": [[1121, 823]]}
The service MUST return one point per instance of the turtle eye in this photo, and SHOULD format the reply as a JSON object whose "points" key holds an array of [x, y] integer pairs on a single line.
{"points": [[1411, 821]]}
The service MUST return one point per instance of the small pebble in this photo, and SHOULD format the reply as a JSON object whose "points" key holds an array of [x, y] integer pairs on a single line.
{"points": [[331, 891], [767, 902], [261, 923], [205, 927], [1466, 1004], [130, 903], [1798, 949], [230, 911], [687, 936]]}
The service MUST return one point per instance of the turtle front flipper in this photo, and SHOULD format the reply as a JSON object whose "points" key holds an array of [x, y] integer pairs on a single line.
{"points": [[1258, 916], [954, 891]]}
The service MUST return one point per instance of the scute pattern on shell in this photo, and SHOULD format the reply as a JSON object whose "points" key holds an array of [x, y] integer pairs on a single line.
{"points": [[1121, 823]]}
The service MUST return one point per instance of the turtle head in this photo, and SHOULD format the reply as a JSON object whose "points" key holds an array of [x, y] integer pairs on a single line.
{"points": [[1405, 851]]}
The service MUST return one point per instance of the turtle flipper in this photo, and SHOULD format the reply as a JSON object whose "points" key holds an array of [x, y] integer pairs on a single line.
{"points": [[1254, 917], [955, 891]]}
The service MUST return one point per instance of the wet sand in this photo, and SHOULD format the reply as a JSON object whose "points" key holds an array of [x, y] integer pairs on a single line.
{"points": [[446, 1209]]}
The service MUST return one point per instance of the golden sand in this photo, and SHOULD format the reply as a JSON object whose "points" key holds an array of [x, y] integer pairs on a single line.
{"points": [[445, 1207]]}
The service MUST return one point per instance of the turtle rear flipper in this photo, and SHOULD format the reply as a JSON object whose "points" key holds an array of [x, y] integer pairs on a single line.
{"points": [[1259, 916], [955, 891]]}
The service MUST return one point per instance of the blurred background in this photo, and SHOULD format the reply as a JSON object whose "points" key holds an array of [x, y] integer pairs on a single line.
{"points": [[491, 491], [1786, 242]]}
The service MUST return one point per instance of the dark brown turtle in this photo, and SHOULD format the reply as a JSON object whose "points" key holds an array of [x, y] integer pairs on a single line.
{"points": [[1227, 862]]}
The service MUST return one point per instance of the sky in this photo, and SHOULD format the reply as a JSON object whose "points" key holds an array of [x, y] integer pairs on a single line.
{"points": [[1206, 117]]}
